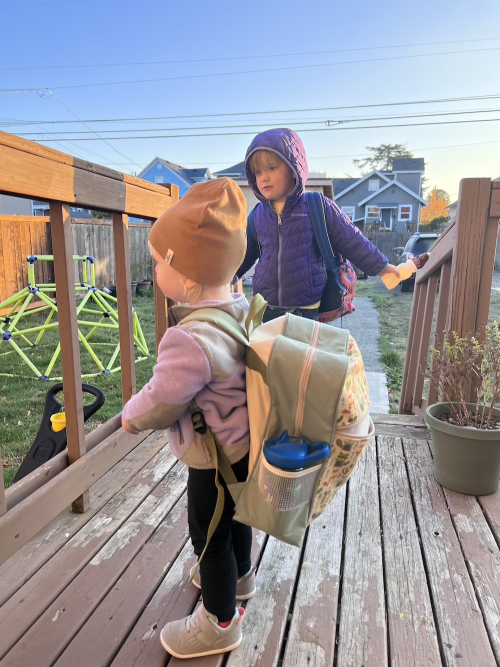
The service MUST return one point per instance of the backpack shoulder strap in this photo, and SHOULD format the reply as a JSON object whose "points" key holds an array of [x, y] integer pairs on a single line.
{"points": [[221, 319], [316, 207], [251, 231]]}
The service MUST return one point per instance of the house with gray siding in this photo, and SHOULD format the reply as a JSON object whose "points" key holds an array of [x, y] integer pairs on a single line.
{"points": [[391, 199]]}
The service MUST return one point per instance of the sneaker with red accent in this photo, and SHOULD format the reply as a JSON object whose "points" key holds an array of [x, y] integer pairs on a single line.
{"points": [[245, 588], [200, 634]]}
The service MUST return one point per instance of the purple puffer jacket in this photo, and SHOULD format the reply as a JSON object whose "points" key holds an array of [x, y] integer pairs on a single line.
{"points": [[291, 272]]}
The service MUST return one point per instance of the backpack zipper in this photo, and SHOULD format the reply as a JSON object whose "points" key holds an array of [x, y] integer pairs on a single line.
{"points": [[279, 259], [304, 379]]}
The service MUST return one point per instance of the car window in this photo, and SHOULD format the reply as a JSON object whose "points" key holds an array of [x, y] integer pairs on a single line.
{"points": [[423, 245], [420, 245]]}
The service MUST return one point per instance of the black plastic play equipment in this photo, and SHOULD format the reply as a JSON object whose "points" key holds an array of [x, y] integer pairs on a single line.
{"points": [[48, 442]]}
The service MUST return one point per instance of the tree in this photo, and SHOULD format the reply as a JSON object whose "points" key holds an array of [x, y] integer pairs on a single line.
{"points": [[436, 208], [99, 215], [382, 157]]}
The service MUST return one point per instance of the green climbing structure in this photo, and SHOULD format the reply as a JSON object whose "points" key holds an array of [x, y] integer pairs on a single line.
{"points": [[97, 310]]}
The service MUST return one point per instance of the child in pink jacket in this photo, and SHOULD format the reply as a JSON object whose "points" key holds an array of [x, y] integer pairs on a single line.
{"points": [[199, 244]]}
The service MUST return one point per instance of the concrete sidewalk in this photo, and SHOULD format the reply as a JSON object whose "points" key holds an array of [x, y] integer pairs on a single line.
{"points": [[364, 327]]}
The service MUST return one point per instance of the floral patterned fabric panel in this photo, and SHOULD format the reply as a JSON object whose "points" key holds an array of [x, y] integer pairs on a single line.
{"points": [[337, 470], [355, 400]]}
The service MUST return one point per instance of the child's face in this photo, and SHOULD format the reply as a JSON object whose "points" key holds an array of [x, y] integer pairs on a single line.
{"points": [[274, 178], [171, 282]]}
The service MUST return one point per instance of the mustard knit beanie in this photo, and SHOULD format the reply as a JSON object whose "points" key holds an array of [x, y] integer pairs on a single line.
{"points": [[203, 236]]}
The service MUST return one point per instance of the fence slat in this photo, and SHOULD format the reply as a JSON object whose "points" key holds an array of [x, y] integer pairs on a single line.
{"points": [[425, 334], [68, 334], [442, 313], [124, 295], [406, 400], [3, 501]]}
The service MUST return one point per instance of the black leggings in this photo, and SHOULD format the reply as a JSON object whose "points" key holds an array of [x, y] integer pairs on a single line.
{"points": [[228, 554]]}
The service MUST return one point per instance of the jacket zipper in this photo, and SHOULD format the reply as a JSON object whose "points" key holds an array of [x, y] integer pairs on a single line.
{"points": [[279, 260], [304, 379]]}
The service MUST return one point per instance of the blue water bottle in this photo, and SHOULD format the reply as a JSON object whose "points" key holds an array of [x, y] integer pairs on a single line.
{"points": [[294, 454]]}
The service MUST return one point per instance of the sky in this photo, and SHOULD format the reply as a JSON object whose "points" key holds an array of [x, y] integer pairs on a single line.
{"points": [[201, 68]]}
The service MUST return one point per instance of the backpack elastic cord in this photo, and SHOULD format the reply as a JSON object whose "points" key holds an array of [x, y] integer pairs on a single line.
{"points": [[222, 465]]}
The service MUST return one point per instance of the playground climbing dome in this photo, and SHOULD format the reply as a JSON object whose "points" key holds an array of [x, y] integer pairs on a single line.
{"points": [[97, 317]]}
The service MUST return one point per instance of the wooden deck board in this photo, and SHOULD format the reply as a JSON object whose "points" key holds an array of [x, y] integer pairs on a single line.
{"points": [[35, 553], [412, 628], [461, 625], [32, 599], [408, 597], [362, 604]]}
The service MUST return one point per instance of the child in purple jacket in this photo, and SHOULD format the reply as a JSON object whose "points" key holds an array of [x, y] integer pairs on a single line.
{"points": [[291, 274], [198, 244]]}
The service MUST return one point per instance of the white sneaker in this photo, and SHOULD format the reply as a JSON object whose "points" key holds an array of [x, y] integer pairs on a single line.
{"points": [[245, 588], [200, 634]]}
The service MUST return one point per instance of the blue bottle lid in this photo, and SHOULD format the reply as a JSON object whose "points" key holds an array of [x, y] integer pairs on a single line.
{"points": [[291, 453]]}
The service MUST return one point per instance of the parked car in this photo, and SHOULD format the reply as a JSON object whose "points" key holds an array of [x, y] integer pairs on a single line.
{"points": [[415, 246]]}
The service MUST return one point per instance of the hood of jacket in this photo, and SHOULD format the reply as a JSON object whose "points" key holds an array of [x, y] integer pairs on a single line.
{"points": [[289, 147]]}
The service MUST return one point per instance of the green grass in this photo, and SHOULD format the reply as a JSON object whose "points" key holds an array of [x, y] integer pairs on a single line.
{"points": [[22, 399]]}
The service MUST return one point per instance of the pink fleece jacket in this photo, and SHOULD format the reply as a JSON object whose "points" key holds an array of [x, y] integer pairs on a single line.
{"points": [[197, 361]]}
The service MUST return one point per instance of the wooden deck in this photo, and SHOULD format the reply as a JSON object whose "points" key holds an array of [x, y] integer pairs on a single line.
{"points": [[397, 572]]}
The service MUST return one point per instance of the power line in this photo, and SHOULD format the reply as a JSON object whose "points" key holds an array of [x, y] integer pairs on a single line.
{"points": [[331, 157], [83, 123], [255, 113], [321, 129], [316, 122], [260, 71], [231, 58]]}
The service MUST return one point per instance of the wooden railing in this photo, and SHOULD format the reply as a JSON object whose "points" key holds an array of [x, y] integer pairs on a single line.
{"points": [[33, 171], [459, 273]]}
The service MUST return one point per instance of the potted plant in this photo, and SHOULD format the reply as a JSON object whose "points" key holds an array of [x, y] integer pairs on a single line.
{"points": [[466, 435]]}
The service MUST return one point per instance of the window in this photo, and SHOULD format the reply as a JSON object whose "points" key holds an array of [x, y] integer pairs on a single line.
{"points": [[349, 211], [373, 184], [372, 212], [405, 213], [159, 179]]}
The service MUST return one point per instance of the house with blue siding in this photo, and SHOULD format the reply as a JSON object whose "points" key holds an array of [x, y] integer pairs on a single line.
{"points": [[390, 199], [163, 171]]}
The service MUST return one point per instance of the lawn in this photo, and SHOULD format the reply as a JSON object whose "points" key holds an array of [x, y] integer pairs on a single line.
{"points": [[394, 309], [22, 399]]}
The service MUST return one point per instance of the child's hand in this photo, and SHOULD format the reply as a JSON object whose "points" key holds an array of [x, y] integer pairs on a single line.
{"points": [[127, 428], [391, 269]]}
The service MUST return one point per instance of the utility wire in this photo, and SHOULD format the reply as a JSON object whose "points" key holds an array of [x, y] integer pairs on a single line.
{"points": [[338, 128], [231, 58], [254, 113], [83, 123], [260, 71], [315, 122]]}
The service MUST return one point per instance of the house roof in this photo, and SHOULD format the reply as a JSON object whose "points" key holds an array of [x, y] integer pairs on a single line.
{"points": [[391, 184], [236, 171], [189, 176], [340, 184], [408, 164], [354, 182]]}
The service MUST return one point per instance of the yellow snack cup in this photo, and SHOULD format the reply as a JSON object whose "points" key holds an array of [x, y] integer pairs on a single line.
{"points": [[58, 421]]}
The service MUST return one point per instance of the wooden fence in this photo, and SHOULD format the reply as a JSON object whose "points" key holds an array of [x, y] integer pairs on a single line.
{"points": [[22, 236], [37, 172], [461, 266], [387, 241]]}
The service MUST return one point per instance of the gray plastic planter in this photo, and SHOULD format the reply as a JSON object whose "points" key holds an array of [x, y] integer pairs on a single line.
{"points": [[465, 459]]}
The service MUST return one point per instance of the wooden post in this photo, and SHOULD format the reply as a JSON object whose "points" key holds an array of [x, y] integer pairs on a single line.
{"points": [[124, 295], [423, 345], [162, 304], [62, 245], [442, 313], [3, 502], [472, 226]]}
